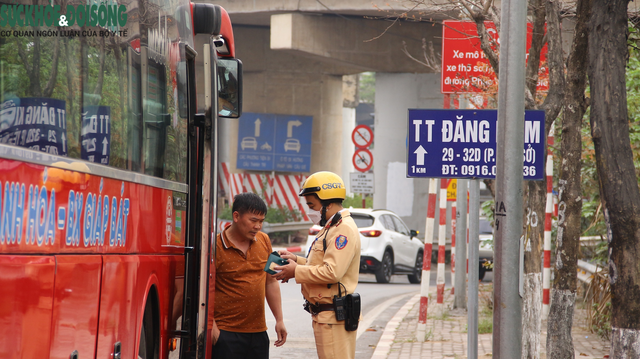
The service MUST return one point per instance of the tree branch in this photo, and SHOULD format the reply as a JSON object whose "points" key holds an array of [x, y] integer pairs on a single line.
{"points": [[53, 76], [537, 42], [554, 101]]}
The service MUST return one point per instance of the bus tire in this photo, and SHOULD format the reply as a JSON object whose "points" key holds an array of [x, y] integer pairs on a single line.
{"points": [[149, 338]]}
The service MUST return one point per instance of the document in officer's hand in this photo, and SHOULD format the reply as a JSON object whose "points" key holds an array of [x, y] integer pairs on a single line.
{"points": [[273, 261]]}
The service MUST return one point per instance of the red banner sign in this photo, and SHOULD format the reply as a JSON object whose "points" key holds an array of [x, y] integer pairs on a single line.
{"points": [[466, 69]]}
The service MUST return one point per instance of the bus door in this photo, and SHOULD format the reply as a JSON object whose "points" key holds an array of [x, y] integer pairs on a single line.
{"points": [[204, 81]]}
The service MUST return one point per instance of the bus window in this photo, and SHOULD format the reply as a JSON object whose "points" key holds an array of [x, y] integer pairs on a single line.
{"points": [[116, 101]]}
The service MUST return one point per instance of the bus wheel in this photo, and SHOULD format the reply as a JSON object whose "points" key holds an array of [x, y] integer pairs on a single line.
{"points": [[149, 340]]}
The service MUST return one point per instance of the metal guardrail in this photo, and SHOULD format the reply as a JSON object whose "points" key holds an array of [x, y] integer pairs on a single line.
{"points": [[586, 271], [286, 227]]}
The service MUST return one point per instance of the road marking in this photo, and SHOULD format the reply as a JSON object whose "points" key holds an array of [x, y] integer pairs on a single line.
{"points": [[365, 323]]}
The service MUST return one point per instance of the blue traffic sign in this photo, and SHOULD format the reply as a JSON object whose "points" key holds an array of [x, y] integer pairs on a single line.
{"points": [[96, 134], [462, 144], [268, 142]]}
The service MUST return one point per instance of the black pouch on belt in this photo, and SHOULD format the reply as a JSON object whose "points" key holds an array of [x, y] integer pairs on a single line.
{"points": [[352, 305]]}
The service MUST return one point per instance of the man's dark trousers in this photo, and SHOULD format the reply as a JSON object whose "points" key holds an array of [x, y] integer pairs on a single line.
{"points": [[232, 345]]}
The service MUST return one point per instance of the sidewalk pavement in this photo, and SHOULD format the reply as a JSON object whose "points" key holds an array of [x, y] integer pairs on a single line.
{"points": [[447, 334]]}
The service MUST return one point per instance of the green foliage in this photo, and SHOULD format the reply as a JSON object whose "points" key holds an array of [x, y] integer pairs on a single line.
{"points": [[602, 320], [485, 325], [367, 89], [355, 201], [274, 215], [488, 209], [226, 213]]}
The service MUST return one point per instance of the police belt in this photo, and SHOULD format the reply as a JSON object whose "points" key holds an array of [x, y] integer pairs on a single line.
{"points": [[315, 309]]}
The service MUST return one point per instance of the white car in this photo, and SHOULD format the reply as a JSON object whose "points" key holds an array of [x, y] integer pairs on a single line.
{"points": [[388, 247]]}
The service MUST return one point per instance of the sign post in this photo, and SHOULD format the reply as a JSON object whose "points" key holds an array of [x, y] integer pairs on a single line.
{"points": [[507, 318], [362, 183], [362, 137]]}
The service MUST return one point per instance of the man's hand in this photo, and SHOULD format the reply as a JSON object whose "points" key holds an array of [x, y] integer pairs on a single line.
{"points": [[287, 255], [287, 272], [282, 333], [215, 334]]}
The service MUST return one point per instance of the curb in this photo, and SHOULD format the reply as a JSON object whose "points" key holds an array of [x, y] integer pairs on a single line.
{"points": [[389, 334]]}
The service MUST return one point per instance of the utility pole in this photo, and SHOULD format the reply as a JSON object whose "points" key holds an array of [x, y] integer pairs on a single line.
{"points": [[460, 295], [507, 315], [474, 269]]}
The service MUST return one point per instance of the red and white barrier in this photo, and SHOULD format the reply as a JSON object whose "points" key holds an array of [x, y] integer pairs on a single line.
{"points": [[442, 233], [546, 271], [426, 262], [453, 246], [230, 183], [285, 192], [278, 190]]}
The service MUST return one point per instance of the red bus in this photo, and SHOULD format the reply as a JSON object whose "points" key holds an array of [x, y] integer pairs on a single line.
{"points": [[108, 175]]}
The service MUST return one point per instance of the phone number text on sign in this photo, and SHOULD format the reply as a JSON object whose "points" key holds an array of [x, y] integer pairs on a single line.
{"points": [[462, 144]]}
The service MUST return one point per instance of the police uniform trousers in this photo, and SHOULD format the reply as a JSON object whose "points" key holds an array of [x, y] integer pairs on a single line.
{"points": [[333, 341]]}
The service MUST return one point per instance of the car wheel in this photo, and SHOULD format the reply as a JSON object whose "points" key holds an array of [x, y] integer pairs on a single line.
{"points": [[416, 277], [482, 272], [383, 274]]}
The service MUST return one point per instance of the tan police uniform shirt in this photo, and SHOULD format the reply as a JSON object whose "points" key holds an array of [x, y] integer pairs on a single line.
{"points": [[340, 263]]}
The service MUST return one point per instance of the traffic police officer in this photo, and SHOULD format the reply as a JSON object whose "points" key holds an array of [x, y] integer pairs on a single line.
{"points": [[332, 264]]}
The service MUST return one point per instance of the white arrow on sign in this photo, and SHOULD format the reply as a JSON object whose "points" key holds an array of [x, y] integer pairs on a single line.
{"points": [[420, 152], [256, 131], [105, 143], [64, 143], [290, 125]]}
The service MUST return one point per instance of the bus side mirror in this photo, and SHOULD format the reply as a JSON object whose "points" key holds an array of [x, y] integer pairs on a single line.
{"points": [[229, 87]]}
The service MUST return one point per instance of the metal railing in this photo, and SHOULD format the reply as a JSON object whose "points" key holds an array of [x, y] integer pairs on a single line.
{"points": [[586, 271], [286, 227]]}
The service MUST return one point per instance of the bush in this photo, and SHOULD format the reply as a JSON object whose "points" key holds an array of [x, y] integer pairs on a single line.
{"points": [[274, 215], [355, 201], [598, 303]]}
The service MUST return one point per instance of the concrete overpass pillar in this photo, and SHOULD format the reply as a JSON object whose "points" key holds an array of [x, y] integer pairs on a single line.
{"points": [[282, 83], [395, 94]]}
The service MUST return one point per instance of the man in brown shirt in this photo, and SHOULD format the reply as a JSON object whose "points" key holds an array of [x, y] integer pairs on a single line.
{"points": [[239, 327]]}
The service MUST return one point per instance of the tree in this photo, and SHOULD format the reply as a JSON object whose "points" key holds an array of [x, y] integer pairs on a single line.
{"points": [[614, 160], [563, 295]]}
